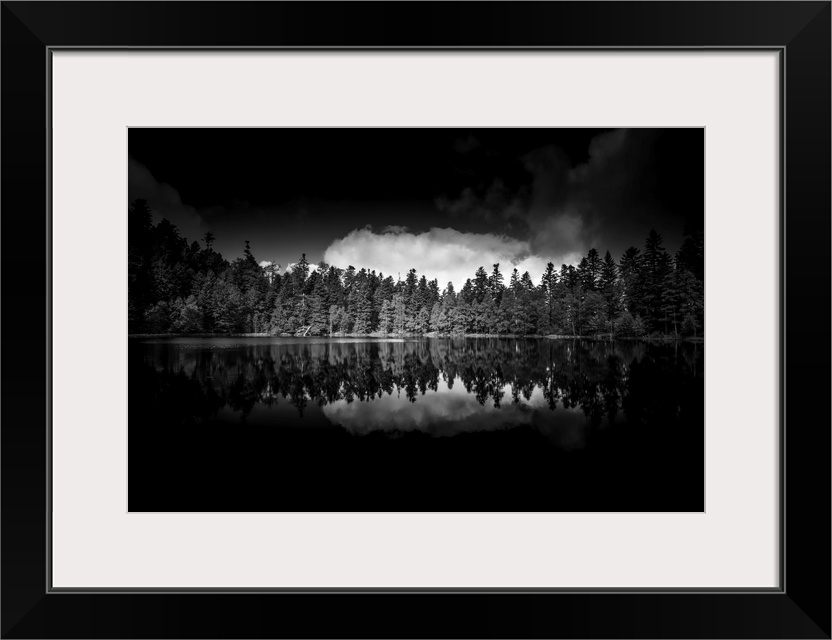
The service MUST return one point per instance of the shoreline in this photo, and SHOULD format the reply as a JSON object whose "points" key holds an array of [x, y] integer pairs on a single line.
{"points": [[375, 335]]}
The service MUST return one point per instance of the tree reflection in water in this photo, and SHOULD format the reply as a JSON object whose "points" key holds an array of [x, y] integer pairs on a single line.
{"points": [[440, 386], [247, 424]]}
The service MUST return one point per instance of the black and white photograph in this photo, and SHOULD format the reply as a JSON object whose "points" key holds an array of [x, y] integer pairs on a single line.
{"points": [[416, 320], [512, 316]]}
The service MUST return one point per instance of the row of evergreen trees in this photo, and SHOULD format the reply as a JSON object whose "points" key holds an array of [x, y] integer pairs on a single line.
{"points": [[175, 287]]}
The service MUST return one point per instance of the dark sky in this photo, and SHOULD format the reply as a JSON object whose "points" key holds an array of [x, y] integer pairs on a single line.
{"points": [[525, 196]]}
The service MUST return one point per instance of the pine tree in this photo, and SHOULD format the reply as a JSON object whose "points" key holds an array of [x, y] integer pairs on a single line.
{"points": [[631, 279], [433, 293], [319, 309], [508, 322], [608, 284], [411, 301], [361, 303], [548, 291], [609, 273], [301, 271], [691, 255], [387, 317], [422, 294], [593, 270], [515, 280], [466, 294], [449, 292], [495, 284], [480, 284], [399, 314], [656, 265]]}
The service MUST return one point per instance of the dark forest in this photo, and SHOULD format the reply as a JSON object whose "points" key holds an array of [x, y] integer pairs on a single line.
{"points": [[181, 288]]}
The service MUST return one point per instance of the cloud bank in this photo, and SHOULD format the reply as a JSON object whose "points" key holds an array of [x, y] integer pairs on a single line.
{"points": [[445, 254], [565, 207], [557, 214]]}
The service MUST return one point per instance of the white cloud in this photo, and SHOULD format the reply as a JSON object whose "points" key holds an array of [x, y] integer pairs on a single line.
{"points": [[444, 254]]}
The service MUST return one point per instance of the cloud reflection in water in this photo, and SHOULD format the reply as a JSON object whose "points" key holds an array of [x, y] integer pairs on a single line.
{"points": [[451, 411]]}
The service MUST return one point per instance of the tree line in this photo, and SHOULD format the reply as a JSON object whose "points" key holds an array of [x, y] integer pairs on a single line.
{"points": [[176, 287]]}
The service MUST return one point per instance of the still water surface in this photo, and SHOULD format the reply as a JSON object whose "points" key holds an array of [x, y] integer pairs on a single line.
{"points": [[293, 424]]}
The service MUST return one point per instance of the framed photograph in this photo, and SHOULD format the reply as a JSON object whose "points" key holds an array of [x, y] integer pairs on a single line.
{"points": [[524, 388], [511, 315]]}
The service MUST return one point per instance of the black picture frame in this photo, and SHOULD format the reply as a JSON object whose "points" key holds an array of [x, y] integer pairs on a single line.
{"points": [[800, 31]]}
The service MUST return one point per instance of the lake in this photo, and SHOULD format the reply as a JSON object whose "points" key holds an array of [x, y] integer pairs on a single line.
{"points": [[414, 424]]}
